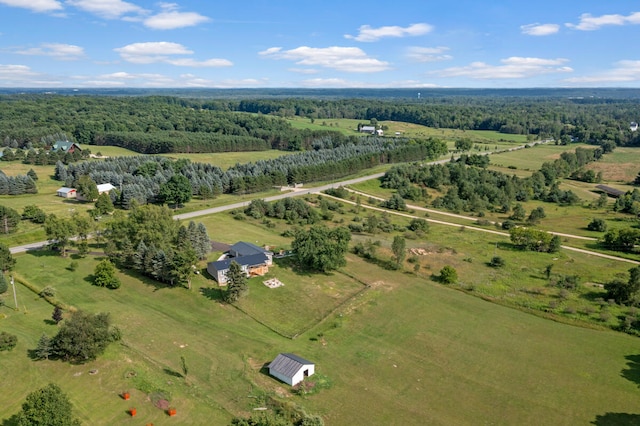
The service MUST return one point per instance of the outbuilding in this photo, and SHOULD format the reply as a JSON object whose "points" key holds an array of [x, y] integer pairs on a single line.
{"points": [[291, 368], [65, 192]]}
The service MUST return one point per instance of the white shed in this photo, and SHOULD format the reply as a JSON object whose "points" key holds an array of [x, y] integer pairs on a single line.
{"points": [[291, 368], [65, 192]]}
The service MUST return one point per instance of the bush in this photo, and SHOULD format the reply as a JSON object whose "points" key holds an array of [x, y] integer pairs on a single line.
{"points": [[508, 224], [448, 275], [598, 225], [497, 262], [7, 341]]}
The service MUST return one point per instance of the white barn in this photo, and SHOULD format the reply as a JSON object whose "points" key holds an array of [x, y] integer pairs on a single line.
{"points": [[291, 368]]}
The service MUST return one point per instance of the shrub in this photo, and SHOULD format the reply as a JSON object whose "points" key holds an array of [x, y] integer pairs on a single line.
{"points": [[497, 262], [448, 275], [7, 341], [598, 225]]}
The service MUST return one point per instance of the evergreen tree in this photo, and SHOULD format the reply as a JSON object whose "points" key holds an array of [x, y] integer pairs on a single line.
{"points": [[44, 348], [7, 262], [4, 286], [57, 314], [236, 283]]}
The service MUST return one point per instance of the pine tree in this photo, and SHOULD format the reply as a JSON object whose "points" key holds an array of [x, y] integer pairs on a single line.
{"points": [[44, 348], [236, 283], [57, 314]]}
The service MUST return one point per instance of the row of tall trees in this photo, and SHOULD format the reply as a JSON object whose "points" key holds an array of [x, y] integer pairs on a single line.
{"points": [[142, 178]]}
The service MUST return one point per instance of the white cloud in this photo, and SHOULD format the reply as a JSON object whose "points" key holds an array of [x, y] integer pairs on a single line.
{"points": [[34, 5], [368, 34], [540, 29], [15, 72], [189, 62], [348, 59], [23, 76], [513, 67], [591, 23], [342, 83], [622, 72], [63, 52], [304, 70], [109, 9], [162, 51], [428, 54], [171, 18]]}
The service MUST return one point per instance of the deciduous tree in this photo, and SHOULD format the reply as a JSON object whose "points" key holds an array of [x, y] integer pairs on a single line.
{"points": [[399, 248], [176, 191], [320, 248], [105, 275], [82, 337], [9, 220], [46, 407]]}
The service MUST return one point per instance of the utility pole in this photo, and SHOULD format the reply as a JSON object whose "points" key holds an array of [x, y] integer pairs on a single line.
{"points": [[15, 298]]}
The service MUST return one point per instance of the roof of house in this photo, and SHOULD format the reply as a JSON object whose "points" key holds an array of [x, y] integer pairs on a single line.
{"points": [[65, 190], [612, 191], [104, 187], [288, 364], [368, 128], [247, 249], [251, 260], [64, 145]]}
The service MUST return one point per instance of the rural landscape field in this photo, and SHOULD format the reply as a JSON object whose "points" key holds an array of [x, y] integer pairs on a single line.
{"points": [[417, 300]]}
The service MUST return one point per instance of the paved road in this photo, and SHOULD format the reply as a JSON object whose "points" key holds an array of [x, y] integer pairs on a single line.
{"points": [[297, 192]]}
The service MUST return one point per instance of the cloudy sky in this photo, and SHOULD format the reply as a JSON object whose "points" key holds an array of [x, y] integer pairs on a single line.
{"points": [[286, 43]]}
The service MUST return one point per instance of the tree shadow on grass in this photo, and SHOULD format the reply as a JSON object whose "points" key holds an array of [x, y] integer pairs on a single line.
{"points": [[11, 421], [211, 293], [146, 280], [617, 419], [172, 373], [43, 253], [593, 296], [632, 372]]}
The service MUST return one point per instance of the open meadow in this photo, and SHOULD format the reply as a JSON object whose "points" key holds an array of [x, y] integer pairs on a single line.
{"points": [[404, 351], [349, 127]]}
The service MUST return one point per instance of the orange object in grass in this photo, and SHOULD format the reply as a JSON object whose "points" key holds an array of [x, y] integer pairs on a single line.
{"points": [[171, 411]]}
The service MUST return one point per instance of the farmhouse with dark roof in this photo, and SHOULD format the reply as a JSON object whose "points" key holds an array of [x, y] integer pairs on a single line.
{"points": [[253, 260]]}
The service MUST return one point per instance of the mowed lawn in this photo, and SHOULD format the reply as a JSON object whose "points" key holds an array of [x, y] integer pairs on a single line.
{"points": [[405, 351]]}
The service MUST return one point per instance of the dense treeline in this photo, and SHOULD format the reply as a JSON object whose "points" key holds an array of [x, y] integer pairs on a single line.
{"points": [[477, 189], [172, 141], [148, 125], [140, 178], [592, 120], [207, 125]]}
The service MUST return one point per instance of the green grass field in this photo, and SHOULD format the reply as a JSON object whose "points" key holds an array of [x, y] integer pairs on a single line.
{"points": [[405, 351], [349, 126]]}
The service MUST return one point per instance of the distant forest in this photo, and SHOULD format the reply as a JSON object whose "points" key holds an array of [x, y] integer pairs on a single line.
{"points": [[160, 124]]}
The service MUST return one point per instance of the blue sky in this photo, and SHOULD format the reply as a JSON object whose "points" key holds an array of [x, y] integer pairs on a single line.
{"points": [[348, 43]]}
